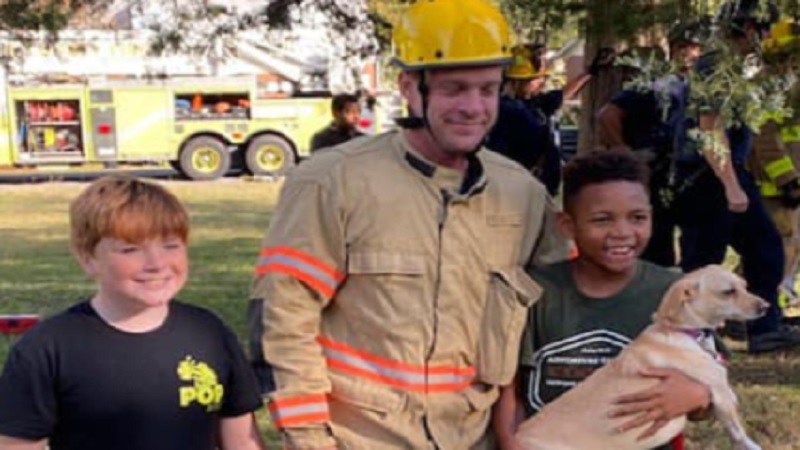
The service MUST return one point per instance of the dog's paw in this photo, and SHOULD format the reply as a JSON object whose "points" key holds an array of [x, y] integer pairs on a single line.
{"points": [[747, 444]]}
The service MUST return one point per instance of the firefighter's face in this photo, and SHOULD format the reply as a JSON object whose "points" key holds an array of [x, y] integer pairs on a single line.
{"points": [[610, 223], [462, 104], [349, 116]]}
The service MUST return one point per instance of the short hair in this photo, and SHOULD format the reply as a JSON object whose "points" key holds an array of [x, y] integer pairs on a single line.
{"points": [[340, 102], [126, 208], [602, 166]]}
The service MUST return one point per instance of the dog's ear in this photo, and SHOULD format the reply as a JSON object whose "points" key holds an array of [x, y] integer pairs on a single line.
{"points": [[678, 295]]}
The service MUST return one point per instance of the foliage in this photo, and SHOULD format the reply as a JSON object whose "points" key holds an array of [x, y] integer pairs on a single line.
{"points": [[30, 15]]}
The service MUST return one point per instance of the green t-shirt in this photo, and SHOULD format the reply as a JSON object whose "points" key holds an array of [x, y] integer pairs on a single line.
{"points": [[570, 335]]}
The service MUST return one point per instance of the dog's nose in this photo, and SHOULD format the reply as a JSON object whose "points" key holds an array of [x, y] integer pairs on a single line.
{"points": [[763, 307]]}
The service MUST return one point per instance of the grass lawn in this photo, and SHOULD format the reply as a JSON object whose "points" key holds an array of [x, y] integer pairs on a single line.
{"points": [[229, 217]]}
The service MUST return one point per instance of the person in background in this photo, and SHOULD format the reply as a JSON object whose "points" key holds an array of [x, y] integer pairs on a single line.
{"points": [[775, 158], [721, 205], [346, 109], [547, 103], [646, 122], [519, 133]]}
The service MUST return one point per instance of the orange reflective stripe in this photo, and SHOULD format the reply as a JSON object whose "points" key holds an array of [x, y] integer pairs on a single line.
{"points": [[318, 275], [299, 410], [343, 358]]}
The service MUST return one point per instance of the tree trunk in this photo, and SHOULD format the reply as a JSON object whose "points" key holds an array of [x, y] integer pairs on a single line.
{"points": [[599, 33]]}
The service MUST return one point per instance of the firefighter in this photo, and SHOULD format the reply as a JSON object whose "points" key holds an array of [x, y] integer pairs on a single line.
{"points": [[393, 270], [776, 153], [636, 120], [721, 204], [547, 104], [520, 133]]}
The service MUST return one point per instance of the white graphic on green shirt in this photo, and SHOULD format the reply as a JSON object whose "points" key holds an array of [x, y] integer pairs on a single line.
{"points": [[560, 365], [205, 390]]}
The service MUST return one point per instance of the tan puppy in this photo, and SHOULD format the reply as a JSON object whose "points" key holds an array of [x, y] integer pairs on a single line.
{"points": [[678, 339]]}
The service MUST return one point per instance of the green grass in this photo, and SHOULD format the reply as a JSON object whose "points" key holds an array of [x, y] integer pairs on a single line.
{"points": [[38, 275]]}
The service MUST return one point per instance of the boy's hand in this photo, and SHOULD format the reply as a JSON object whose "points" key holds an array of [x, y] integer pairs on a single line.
{"points": [[676, 395]]}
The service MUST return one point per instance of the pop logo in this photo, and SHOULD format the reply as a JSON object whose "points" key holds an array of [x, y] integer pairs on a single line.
{"points": [[205, 389]]}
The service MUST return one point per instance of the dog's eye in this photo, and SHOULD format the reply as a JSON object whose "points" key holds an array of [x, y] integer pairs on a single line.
{"points": [[729, 292]]}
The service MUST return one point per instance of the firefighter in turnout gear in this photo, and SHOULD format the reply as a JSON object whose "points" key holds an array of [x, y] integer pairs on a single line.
{"points": [[722, 205], [776, 153], [521, 133], [393, 270]]}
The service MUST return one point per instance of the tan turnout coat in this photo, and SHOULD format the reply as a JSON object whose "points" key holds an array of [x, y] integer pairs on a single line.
{"points": [[395, 296]]}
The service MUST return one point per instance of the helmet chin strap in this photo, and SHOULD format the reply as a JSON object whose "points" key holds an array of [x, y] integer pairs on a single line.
{"points": [[417, 123], [413, 122]]}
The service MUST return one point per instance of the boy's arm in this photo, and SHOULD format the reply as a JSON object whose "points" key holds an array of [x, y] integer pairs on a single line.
{"points": [[507, 414], [10, 443], [239, 433]]}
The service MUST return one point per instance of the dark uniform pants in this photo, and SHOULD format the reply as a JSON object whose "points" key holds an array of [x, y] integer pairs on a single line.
{"points": [[708, 227], [661, 248]]}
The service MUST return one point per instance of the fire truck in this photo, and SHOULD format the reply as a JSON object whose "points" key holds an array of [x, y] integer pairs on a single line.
{"points": [[201, 126]]}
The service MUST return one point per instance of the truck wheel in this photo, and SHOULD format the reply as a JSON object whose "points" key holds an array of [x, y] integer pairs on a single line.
{"points": [[269, 155], [205, 158]]}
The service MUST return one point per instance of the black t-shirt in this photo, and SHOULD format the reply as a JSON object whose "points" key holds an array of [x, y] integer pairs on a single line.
{"points": [[88, 386]]}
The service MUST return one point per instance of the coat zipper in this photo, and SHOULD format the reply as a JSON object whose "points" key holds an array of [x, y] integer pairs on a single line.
{"points": [[442, 219]]}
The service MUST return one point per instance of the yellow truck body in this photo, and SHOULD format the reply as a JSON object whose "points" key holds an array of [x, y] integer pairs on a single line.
{"points": [[202, 128]]}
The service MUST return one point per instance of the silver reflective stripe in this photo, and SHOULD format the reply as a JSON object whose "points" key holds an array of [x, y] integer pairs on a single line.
{"points": [[402, 376], [300, 410], [299, 265]]}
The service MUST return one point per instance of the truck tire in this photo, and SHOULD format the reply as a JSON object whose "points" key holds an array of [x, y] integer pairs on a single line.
{"points": [[270, 155], [205, 158]]}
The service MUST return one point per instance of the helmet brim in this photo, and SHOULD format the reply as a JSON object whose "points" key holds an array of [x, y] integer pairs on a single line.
{"points": [[452, 63]]}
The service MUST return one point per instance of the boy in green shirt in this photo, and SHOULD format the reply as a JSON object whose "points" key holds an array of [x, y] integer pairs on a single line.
{"points": [[597, 303]]}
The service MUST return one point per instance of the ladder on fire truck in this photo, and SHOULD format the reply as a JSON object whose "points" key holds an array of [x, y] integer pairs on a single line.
{"points": [[95, 54]]}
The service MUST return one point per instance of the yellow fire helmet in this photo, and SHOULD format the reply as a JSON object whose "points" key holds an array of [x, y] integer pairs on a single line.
{"points": [[783, 37], [521, 67], [451, 33]]}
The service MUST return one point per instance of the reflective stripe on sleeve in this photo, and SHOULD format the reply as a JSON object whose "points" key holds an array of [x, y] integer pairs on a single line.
{"points": [[779, 167], [297, 411], [790, 134], [318, 275]]}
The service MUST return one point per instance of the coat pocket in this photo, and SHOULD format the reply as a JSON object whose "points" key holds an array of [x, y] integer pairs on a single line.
{"points": [[509, 295]]}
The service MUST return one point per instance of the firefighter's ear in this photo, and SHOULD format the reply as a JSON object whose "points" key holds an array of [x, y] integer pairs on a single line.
{"points": [[408, 82], [566, 224]]}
